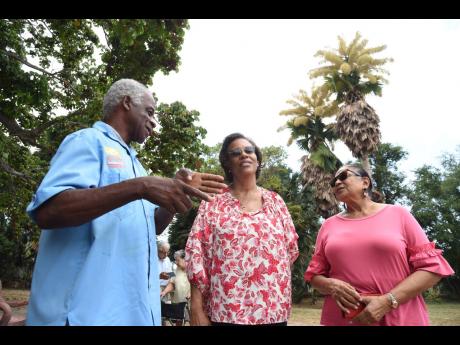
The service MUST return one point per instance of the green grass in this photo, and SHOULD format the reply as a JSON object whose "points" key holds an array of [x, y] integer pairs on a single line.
{"points": [[446, 313]]}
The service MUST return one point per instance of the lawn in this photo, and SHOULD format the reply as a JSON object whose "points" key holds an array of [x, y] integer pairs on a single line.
{"points": [[446, 313]]}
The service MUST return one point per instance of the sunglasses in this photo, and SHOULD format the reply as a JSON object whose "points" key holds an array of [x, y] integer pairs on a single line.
{"points": [[237, 152], [342, 177]]}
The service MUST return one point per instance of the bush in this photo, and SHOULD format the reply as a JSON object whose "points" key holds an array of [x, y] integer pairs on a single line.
{"points": [[433, 295]]}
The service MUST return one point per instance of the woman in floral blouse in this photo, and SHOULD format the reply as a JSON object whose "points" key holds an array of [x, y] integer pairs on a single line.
{"points": [[241, 247]]}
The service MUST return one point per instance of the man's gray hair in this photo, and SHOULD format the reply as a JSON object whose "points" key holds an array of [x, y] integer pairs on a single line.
{"points": [[120, 89], [163, 244], [179, 254]]}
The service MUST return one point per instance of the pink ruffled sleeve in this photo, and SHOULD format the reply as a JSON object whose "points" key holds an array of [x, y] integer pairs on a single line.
{"points": [[428, 258], [423, 254], [198, 251], [318, 264]]}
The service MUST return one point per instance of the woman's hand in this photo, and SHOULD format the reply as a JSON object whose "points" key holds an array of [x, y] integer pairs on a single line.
{"points": [[197, 315], [343, 294], [199, 318], [164, 276], [376, 308]]}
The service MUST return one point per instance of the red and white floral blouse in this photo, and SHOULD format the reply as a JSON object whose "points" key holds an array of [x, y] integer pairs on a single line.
{"points": [[241, 262]]}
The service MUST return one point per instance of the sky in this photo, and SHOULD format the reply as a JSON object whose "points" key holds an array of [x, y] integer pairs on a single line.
{"points": [[239, 74]]}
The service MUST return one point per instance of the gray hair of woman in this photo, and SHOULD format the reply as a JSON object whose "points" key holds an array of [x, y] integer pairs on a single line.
{"points": [[179, 254], [372, 193], [120, 89]]}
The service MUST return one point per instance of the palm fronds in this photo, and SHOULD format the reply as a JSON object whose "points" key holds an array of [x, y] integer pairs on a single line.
{"points": [[352, 68]]}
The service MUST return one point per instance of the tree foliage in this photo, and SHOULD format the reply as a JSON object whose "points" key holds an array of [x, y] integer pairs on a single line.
{"points": [[388, 179], [178, 144], [435, 200]]}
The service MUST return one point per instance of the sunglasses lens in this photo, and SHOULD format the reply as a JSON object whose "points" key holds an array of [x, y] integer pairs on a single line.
{"points": [[235, 152], [249, 149], [342, 177]]}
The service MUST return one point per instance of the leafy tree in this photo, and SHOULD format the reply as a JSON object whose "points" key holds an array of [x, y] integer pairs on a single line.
{"points": [[387, 178], [301, 205], [180, 228], [53, 75], [275, 175], [435, 200], [179, 143], [211, 163]]}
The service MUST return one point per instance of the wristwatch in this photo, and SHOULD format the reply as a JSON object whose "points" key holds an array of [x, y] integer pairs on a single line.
{"points": [[394, 302]]}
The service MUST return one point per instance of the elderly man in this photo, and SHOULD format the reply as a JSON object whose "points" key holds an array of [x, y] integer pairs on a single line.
{"points": [[97, 258], [164, 263]]}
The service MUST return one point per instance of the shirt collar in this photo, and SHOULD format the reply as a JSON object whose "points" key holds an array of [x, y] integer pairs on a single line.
{"points": [[114, 135]]}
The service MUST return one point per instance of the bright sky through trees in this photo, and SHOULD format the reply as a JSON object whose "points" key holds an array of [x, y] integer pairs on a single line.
{"points": [[239, 74]]}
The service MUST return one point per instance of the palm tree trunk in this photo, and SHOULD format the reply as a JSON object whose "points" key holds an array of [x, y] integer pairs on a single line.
{"points": [[366, 165]]}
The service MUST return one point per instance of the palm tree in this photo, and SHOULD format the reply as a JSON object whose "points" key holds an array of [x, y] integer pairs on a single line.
{"points": [[351, 74], [314, 136]]}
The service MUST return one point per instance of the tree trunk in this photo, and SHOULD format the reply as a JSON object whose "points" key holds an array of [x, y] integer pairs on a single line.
{"points": [[366, 165]]}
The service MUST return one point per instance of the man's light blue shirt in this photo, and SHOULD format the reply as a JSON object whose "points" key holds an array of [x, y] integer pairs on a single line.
{"points": [[104, 272]]}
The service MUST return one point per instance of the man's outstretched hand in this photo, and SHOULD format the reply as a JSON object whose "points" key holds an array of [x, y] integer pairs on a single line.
{"points": [[207, 183], [174, 194]]}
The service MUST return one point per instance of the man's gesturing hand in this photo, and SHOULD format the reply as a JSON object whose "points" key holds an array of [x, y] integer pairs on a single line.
{"points": [[171, 194], [208, 183]]}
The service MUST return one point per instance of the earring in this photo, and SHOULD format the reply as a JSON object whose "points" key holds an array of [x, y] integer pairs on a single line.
{"points": [[364, 193]]}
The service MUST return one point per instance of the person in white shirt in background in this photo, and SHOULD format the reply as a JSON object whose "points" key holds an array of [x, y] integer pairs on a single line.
{"points": [[164, 265], [178, 284]]}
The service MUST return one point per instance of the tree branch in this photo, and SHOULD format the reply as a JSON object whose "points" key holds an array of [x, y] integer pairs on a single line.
{"points": [[17, 57], [29, 137], [109, 46], [66, 83], [26, 136], [13, 172]]}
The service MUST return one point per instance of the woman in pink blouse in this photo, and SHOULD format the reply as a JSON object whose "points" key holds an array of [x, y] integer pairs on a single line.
{"points": [[372, 249], [241, 247]]}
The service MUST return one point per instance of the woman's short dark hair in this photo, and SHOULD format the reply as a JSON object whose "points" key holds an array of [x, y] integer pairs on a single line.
{"points": [[224, 157], [373, 194]]}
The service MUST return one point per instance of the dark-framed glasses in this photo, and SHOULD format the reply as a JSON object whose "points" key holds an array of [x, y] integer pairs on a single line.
{"points": [[342, 177], [238, 151]]}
